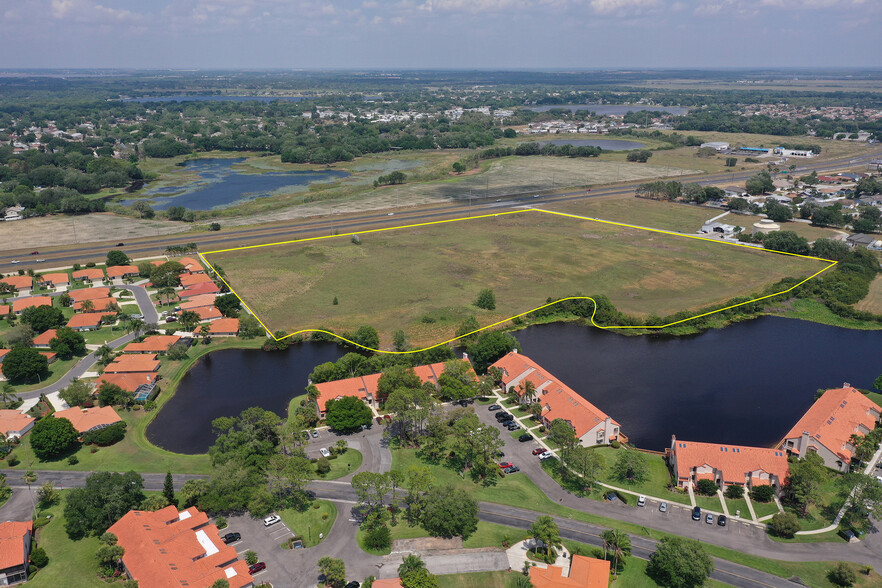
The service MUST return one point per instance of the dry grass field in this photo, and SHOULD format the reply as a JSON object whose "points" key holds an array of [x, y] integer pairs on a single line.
{"points": [[873, 301], [423, 280]]}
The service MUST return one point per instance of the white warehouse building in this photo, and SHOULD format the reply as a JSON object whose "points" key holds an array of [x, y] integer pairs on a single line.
{"points": [[718, 145]]}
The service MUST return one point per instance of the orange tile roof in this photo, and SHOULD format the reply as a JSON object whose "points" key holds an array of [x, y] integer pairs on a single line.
{"points": [[89, 294], [87, 319], [3, 353], [128, 363], [735, 462], [387, 583], [98, 304], [13, 420], [128, 381], [19, 282], [119, 271], [585, 572], [166, 548], [191, 265], [834, 417], [4, 309], [23, 303], [86, 419], [208, 313], [188, 280], [13, 535], [224, 325], [364, 386], [199, 289], [158, 262], [198, 302], [45, 337], [49, 355], [558, 400], [56, 279], [90, 273], [152, 344]]}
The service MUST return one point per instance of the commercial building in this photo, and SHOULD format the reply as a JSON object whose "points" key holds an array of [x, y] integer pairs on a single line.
{"points": [[718, 145]]}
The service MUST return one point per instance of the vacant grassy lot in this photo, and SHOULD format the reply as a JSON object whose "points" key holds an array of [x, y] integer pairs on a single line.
{"points": [[873, 301], [424, 279]]}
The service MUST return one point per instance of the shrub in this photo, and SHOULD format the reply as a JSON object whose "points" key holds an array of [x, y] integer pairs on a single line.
{"points": [[486, 299], [73, 460], [220, 522], [763, 493], [41, 522], [615, 444], [707, 487], [734, 491], [251, 557], [13, 460], [842, 575], [39, 557], [378, 538], [784, 524], [107, 436], [323, 466]]}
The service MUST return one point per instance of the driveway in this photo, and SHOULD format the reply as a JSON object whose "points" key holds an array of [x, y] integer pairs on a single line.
{"points": [[374, 448]]}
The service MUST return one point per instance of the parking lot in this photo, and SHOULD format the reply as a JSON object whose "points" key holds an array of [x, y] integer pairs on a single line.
{"points": [[266, 542]]}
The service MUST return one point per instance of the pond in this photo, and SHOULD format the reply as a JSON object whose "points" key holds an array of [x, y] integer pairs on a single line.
{"points": [[605, 144], [746, 384], [226, 382], [610, 109], [221, 185]]}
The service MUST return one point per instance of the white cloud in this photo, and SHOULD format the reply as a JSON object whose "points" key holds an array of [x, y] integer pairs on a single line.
{"points": [[620, 6]]}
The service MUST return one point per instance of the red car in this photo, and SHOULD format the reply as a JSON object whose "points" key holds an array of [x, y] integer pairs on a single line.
{"points": [[35, 253], [379, 420], [259, 566], [505, 464], [388, 418], [538, 450]]}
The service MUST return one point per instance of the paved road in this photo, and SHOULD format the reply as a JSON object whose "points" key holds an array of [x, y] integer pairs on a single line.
{"points": [[374, 448], [77, 479], [233, 237]]}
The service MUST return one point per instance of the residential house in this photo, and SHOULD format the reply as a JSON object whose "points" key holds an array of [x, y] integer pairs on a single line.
{"points": [[16, 539], [208, 313], [97, 305], [198, 290], [14, 424], [50, 356], [5, 309], [59, 281], [90, 321], [24, 284], [3, 353], [86, 420], [188, 280], [22, 303], [89, 294], [692, 461], [118, 272], [192, 266], [585, 572], [89, 275], [225, 327], [592, 426], [198, 302], [42, 340], [735, 192], [861, 240], [141, 384], [152, 344], [827, 426], [133, 363], [170, 548]]}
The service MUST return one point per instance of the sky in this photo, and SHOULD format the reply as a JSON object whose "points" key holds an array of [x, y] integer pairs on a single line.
{"points": [[454, 34]]}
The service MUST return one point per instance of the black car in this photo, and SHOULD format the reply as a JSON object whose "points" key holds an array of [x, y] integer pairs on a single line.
{"points": [[120, 244], [525, 437], [494, 407], [696, 513], [353, 584], [512, 469], [504, 417], [721, 520], [232, 538]]}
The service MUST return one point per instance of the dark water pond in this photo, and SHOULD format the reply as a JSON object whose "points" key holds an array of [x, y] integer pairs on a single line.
{"points": [[210, 98], [746, 384], [605, 144], [610, 109], [221, 185], [226, 382]]}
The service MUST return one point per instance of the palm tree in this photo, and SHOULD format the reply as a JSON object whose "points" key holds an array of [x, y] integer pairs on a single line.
{"points": [[411, 563], [87, 306], [616, 543], [536, 410], [529, 392], [8, 395], [136, 325], [104, 354], [546, 531], [166, 292]]}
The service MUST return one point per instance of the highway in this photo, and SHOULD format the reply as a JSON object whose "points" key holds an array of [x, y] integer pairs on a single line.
{"points": [[297, 229]]}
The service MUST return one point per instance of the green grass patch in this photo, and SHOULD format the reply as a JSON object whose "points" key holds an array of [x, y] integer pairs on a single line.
{"points": [[71, 563], [764, 508], [656, 485], [344, 464], [738, 505], [708, 503], [809, 309], [311, 522], [499, 579]]}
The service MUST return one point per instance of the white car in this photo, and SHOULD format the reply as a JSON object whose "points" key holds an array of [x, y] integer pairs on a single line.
{"points": [[271, 520], [324, 451], [545, 455], [15, 261], [641, 500]]}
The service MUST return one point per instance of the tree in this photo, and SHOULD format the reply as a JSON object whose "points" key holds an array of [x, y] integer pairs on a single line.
{"points": [[396, 377], [154, 502], [486, 299], [51, 437], [762, 493], [188, 320], [166, 293], [618, 544], [785, 524], [588, 464], [639, 156], [39, 557], [8, 397], [679, 563], [759, 184], [347, 414], [116, 257], [365, 337], [378, 537], [106, 497], [630, 466], [778, 212], [168, 489], [42, 318], [489, 347], [77, 393], [410, 563], [449, 512], [561, 433], [334, 570], [228, 305], [419, 579], [110, 554], [866, 500], [458, 167], [67, 343], [287, 477], [47, 495], [786, 241], [734, 491], [544, 529], [807, 475], [371, 489], [707, 487], [221, 583]]}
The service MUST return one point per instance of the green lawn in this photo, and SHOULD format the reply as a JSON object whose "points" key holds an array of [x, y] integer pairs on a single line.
{"points": [[764, 508], [57, 369], [809, 309], [822, 514], [479, 580], [486, 535], [71, 563], [738, 505], [343, 465], [656, 485], [708, 503], [311, 522]]}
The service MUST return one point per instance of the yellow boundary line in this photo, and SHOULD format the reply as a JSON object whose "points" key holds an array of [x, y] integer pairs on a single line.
{"points": [[497, 323]]}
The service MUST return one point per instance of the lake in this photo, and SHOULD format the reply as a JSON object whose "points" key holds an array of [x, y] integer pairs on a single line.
{"points": [[746, 384], [226, 382], [610, 109], [221, 185], [605, 144]]}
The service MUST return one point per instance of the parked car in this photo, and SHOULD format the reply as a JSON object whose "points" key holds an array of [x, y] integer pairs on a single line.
{"points": [[512, 469], [512, 426], [505, 417], [324, 451], [258, 567], [494, 407], [525, 437], [39, 260], [505, 464], [15, 261], [663, 507], [641, 500], [354, 584], [696, 513], [545, 455], [171, 319], [538, 451], [120, 244], [611, 497], [314, 434], [721, 520], [232, 538], [271, 520], [709, 519]]}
